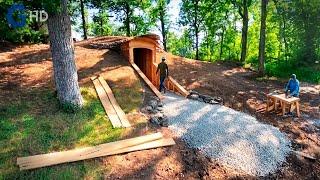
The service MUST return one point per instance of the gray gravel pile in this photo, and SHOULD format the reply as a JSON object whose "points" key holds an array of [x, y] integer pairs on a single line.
{"points": [[235, 139]]}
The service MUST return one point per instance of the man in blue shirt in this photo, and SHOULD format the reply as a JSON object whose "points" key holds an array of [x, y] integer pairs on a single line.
{"points": [[293, 87]]}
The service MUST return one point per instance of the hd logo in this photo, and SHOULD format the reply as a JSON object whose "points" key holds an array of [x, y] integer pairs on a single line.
{"points": [[20, 20]]}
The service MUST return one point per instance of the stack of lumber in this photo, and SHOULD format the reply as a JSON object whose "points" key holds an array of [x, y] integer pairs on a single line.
{"points": [[124, 146], [115, 113]]}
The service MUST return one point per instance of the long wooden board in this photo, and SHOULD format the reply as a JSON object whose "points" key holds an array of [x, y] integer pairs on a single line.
{"points": [[147, 81], [148, 145], [122, 116], [112, 114], [177, 86], [83, 153]]}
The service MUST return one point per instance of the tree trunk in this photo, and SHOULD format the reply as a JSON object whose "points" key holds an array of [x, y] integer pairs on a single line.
{"points": [[196, 28], [127, 19], [222, 36], [221, 44], [262, 42], [283, 27], [101, 23], [285, 38], [309, 50], [244, 37], [84, 25], [61, 45], [163, 30], [234, 41]]}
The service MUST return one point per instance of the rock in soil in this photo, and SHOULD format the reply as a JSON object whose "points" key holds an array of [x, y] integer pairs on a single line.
{"points": [[153, 104], [160, 104], [154, 120], [193, 96], [148, 108], [164, 121], [194, 93]]}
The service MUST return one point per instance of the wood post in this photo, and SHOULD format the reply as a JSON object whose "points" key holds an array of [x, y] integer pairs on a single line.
{"points": [[298, 109]]}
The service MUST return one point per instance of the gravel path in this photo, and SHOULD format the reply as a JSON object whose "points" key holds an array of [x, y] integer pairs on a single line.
{"points": [[235, 139]]}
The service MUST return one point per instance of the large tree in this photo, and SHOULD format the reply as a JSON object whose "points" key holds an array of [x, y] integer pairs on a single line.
{"points": [[160, 13], [134, 24], [61, 45], [83, 17], [190, 14], [262, 43], [243, 11]]}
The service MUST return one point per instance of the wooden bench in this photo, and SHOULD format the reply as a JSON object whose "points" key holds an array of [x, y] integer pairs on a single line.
{"points": [[273, 100]]}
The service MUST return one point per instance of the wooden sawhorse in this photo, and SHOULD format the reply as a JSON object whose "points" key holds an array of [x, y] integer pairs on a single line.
{"points": [[273, 100]]}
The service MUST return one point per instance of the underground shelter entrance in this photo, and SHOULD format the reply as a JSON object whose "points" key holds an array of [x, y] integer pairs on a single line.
{"points": [[143, 59]]}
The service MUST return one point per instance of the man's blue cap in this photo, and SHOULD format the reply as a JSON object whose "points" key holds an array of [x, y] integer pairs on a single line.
{"points": [[293, 76]]}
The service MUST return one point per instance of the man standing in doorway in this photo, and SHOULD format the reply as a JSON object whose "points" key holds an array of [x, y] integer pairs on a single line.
{"points": [[164, 73]]}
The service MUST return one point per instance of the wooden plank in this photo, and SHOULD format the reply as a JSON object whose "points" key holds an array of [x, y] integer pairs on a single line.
{"points": [[177, 86], [119, 111], [284, 108], [298, 109], [112, 114], [83, 153], [148, 145], [283, 98], [147, 81], [305, 155]]}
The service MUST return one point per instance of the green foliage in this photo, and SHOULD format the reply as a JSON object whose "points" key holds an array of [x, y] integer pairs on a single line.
{"points": [[160, 17], [292, 34], [133, 14], [100, 25], [180, 45], [284, 69]]}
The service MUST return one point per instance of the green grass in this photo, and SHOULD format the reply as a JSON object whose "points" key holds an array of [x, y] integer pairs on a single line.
{"points": [[285, 69], [39, 126]]}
